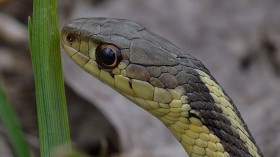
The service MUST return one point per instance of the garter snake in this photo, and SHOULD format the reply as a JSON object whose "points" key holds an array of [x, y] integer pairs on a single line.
{"points": [[164, 80]]}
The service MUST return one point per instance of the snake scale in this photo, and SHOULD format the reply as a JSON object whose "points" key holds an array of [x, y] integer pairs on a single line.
{"points": [[164, 80]]}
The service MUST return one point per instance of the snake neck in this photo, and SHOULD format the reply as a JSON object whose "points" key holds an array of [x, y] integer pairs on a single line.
{"points": [[200, 115]]}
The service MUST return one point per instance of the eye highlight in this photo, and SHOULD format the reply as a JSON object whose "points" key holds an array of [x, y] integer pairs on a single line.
{"points": [[108, 56], [71, 38]]}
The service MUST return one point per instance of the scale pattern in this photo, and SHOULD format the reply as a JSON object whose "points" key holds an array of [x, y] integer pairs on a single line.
{"points": [[170, 84]]}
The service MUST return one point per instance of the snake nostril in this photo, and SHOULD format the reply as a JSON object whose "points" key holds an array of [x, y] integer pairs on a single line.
{"points": [[71, 38]]}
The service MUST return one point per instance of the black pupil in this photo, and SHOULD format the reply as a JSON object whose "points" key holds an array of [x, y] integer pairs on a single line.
{"points": [[107, 56]]}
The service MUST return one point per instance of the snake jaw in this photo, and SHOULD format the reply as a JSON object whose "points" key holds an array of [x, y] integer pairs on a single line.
{"points": [[69, 50]]}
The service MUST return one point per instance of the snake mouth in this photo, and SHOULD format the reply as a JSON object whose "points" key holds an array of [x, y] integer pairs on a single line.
{"points": [[77, 56], [69, 50]]}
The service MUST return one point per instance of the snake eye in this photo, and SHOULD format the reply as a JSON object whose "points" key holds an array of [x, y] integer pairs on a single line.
{"points": [[108, 56], [71, 38]]}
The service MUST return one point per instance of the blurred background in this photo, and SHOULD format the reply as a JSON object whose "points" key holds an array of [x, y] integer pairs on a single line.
{"points": [[239, 42]]}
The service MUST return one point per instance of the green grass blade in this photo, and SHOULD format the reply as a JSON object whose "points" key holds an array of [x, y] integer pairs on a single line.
{"points": [[12, 127], [49, 85]]}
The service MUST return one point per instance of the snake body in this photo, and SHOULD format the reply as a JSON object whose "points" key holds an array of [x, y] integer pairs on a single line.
{"points": [[165, 81]]}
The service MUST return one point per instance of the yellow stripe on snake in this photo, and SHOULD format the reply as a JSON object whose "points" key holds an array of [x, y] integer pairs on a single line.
{"points": [[165, 81]]}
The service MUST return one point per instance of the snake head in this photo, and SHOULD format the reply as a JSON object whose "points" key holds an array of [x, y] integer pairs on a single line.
{"points": [[122, 53], [129, 58], [118, 47]]}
